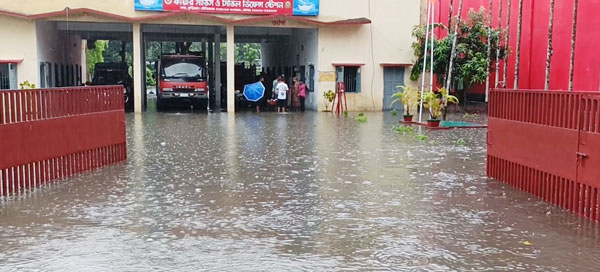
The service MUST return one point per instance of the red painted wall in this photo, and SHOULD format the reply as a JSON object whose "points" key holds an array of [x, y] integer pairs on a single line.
{"points": [[534, 41]]}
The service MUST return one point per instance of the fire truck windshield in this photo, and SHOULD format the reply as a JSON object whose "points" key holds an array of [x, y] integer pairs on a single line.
{"points": [[185, 69]]}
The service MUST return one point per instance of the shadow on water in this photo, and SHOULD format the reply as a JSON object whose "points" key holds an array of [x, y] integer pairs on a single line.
{"points": [[275, 192]]}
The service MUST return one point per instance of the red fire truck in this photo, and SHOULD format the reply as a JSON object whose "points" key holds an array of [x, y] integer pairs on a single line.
{"points": [[182, 79]]}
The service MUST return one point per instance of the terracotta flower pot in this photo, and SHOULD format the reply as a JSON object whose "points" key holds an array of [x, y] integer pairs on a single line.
{"points": [[408, 118], [433, 123]]}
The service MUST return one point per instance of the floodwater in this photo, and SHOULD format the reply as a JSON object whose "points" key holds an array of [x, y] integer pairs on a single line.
{"points": [[291, 192]]}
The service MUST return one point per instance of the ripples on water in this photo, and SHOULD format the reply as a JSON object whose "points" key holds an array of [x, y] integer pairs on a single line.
{"points": [[279, 192]]}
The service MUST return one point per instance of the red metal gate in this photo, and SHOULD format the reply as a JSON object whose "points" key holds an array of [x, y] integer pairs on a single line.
{"points": [[548, 144], [49, 134]]}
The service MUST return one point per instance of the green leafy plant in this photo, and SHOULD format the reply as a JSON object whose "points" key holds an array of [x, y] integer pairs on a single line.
{"points": [[394, 112], [26, 85], [404, 129], [346, 113], [329, 97], [471, 116], [461, 142], [436, 102], [361, 118], [421, 137], [409, 97]]}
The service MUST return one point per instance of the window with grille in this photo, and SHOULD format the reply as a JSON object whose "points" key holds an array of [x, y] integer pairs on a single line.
{"points": [[4, 78], [8, 76], [350, 75]]}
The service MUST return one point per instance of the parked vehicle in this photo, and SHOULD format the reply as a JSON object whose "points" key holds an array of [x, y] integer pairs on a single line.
{"points": [[115, 73], [182, 78]]}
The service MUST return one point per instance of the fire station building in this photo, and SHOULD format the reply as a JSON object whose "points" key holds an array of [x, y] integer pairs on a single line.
{"points": [[364, 43]]}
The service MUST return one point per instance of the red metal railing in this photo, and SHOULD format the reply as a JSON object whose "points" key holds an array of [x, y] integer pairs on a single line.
{"points": [[548, 144], [49, 134]]}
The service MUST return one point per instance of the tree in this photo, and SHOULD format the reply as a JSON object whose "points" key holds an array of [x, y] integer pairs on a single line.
{"points": [[470, 62], [549, 52], [453, 51], [247, 53], [517, 62], [507, 43], [95, 55], [573, 40], [497, 80], [113, 52]]}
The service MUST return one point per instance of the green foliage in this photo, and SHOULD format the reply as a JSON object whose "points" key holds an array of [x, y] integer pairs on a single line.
{"points": [[361, 118], [346, 113], [437, 102], [26, 85], [150, 79], [471, 116], [404, 129], [394, 112], [421, 137], [248, 53], [470, 62], [95, 55], [329, 95], [461, 142], [409, 98], [112, 52]]}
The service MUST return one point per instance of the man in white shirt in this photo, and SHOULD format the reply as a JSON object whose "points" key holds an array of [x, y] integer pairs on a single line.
{"points": [[282, 90]]}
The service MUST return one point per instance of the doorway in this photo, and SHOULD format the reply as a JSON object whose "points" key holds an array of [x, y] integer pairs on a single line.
{"points": [[392, 77]]}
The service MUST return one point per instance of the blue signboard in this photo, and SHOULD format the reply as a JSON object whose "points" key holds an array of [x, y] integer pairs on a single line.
{"points": [[152, 5], [298, 8], [306, 7]]}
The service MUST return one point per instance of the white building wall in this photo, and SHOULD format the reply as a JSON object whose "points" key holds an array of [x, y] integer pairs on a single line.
{"points": [[386, 40], [18, 42]]}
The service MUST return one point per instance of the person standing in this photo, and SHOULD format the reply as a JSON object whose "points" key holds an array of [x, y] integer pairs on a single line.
{"points": [[295, 94], [260, 101], [302, 95], [282, 91]]}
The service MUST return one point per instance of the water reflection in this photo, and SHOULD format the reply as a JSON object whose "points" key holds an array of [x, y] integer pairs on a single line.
{"points": [[274, 192]]}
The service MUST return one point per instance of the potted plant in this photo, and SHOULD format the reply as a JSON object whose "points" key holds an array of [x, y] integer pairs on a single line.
{"points": [[329, 97], [409, 97], [436, 102]]}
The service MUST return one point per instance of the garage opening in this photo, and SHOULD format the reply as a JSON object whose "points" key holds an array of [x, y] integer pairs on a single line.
{"points": [[183, 66], [85, 53], [182, 62], [288, 52]]}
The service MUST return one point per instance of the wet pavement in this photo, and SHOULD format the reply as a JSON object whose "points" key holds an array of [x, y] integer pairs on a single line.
{"points": [[291, 192]]}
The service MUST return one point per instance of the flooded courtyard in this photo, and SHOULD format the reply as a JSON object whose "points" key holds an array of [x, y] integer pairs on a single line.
{"points": [[291, 192]]}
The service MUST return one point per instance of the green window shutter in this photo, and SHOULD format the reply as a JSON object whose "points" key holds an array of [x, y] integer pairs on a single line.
{"points": [[358, 88]]}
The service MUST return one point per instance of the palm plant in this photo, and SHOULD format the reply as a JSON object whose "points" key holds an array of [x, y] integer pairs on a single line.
{"points": [[408, 96], [437, 102]]}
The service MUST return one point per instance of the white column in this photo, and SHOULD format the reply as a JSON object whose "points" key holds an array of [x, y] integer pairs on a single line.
{"points": [[230, 69], [217, 71], [137, 68], [84, 71]]}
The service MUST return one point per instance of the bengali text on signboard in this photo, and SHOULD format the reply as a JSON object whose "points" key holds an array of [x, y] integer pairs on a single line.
{"points": [[257, 7]]}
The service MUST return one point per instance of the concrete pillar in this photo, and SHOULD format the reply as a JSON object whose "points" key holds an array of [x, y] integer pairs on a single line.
{"points": [[84, 69], [217, 70], [137, 68], [230, 69]]}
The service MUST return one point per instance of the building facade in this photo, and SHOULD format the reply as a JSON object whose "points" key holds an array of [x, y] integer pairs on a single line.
{"points": [[364, 43]]}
